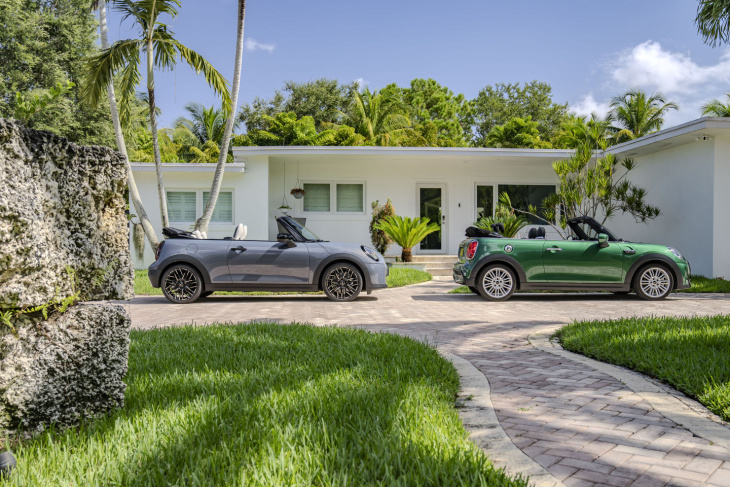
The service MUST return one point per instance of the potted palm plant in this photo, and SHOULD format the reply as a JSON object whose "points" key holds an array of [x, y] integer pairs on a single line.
{"points": [[407, 232]]}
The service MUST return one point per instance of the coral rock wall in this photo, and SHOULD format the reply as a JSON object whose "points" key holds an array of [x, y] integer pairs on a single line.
{"points": [[63, 232]]}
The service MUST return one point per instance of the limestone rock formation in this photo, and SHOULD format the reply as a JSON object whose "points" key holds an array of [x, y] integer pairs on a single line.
{"points": [[63, 233], [61, 206]]}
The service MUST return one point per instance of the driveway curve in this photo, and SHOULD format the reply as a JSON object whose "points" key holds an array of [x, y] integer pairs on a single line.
{"points": [[581, 425]]}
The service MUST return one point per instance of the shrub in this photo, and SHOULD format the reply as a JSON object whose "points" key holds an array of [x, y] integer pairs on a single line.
{"points": [[378, 237], [407, 232]]}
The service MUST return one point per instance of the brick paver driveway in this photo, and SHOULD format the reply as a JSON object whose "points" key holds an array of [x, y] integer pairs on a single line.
{"points": [[582, 425]]}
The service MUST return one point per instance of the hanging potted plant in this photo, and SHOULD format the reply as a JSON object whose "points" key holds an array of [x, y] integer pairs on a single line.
{"points": [[297, 192]]}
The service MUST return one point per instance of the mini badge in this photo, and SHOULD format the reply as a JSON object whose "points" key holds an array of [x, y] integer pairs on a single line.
{"points": [[508, 248]]}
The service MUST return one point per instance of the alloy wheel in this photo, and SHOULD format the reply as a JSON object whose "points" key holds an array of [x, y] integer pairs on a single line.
{"points": [[497, 283], [181, 284], [655, 282], [342, 283]]}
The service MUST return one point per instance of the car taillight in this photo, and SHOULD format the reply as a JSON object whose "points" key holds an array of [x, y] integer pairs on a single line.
{"points": [[471, 249], [159, 249]]}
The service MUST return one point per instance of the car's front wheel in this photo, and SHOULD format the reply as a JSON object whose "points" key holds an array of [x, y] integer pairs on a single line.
{"points": [[342, 282], [473, 289], [653, 282], [182, 284], [496, 283]]}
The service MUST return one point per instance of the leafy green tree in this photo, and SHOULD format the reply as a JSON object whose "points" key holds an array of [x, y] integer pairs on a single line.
{"points": [[517, 133], [27, 105], [591, 186], [381, 120], [206, 126], [286, 129], [43, 43], [713, 21], [498, 104], [381, 241], [638, 114], [161, 50], [322, 99], [437, 114], [716, 108], [576, 131], [407, 232]]}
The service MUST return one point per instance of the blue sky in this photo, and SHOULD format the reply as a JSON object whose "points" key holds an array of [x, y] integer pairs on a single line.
{"points": [[588, 51]]}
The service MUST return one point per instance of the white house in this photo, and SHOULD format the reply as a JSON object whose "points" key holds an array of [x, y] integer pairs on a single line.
{"points": [[686, 170]]}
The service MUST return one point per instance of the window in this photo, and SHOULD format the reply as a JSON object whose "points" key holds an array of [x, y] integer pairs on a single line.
{"points": [[181, 206], [524, 195], [485, 201], [223, 211], [316, 197], [349, 198], [334, 197], [188, 206]]}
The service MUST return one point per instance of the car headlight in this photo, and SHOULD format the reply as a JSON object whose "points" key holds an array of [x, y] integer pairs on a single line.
{"points": [[675, 252], [370, 253]]}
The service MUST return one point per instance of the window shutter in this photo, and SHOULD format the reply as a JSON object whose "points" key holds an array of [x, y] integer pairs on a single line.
{"points": [[181, 206], [350, 198], [223, 211], [316, 197]]}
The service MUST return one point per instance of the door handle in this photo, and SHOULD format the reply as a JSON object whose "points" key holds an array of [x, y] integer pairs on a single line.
{"points": [[629, 251], [554, 249], [238, 249]]}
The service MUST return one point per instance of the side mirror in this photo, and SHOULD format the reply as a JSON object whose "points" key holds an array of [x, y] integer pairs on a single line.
{"points": [[602, 240], [286, 238]]}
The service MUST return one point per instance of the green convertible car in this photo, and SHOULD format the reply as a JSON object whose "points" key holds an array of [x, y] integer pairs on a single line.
{"points": [[592, 259]]}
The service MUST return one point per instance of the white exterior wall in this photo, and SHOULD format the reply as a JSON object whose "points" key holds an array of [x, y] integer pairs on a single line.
{"points": [[721, 205], [250, 194], [679, 181], [394, 177]]}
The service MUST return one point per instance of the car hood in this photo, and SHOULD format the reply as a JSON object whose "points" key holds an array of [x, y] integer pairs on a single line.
{"points": [[352, 249]]}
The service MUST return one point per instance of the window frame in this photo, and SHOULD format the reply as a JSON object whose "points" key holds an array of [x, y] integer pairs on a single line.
{"points": [[495, 193], [199, 206], [333, 197]]}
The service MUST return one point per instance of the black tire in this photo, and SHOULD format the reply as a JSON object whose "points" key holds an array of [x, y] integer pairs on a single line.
{"points": [[473, 289], [342, 282], [653, 282], [496, 282], [181, 284]]}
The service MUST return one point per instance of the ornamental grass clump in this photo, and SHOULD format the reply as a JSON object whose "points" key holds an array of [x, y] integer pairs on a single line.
{"points": [[407, 232]]}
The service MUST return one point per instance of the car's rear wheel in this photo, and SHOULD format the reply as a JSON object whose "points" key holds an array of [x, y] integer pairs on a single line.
{"points": [[342, 282], [182, 284], [496, 283], [653, 282]]}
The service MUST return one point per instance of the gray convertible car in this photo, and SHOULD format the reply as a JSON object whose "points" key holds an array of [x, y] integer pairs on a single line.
{"points": [[188, 268]]}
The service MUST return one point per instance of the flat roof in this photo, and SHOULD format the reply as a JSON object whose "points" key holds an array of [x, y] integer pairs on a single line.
{"points": [[187, 167], [400, 151]]}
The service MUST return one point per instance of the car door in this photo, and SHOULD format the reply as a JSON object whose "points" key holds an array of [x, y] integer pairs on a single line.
{"points": [[263, 262], [582, 261]]}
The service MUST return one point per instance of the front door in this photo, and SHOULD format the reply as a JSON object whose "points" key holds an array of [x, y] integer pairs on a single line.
{"points": [[262, 262], [432, 205], [582, 261]]}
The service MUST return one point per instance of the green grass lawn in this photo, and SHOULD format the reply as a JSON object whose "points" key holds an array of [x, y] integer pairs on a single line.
{"points": [[689, 354], [396, 278], [268, 404], [700, 284]]}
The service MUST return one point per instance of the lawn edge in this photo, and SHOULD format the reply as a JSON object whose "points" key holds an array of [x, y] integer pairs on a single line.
{"points": [[684, 411], [476, 412]]}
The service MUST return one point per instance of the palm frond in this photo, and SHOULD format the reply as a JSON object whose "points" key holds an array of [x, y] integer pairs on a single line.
{"points": [[211, 75], [101, 68]]}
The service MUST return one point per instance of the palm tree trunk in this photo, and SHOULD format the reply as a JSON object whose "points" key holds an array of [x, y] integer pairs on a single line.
{"points": [[406, 255], [153, 127], [204, 220], [121, 145]]}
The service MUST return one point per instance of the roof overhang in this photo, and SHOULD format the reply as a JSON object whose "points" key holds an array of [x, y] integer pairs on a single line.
{"points": [[187, 167], [700, 130]]}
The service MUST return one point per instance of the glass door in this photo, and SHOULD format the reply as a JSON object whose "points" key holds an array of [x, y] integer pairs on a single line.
{"points": [[431, 204]]}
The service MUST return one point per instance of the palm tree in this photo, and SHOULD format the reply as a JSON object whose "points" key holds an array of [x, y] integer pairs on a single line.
{"points": [[162, 50], [638, 114], [205, 123], [202, 223], [119, 134], [406, 231], [380, 119], [517, 133], [576, 131], [713, 21], [716, 108]]}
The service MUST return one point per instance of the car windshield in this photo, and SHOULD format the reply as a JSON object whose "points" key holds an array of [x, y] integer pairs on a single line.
{"points": [[304, 231]]}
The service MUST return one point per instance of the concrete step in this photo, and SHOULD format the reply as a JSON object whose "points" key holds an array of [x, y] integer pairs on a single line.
{"points": [[440, 271], [446, 259]]}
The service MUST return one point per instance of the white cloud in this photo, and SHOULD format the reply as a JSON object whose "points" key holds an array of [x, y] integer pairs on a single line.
{"points": [[588, 106], [252, 44], [650, 66]]}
